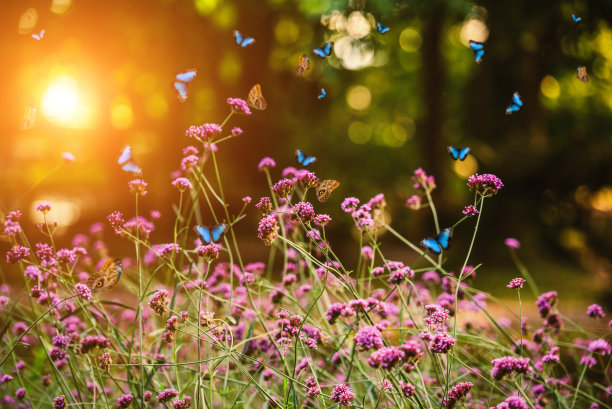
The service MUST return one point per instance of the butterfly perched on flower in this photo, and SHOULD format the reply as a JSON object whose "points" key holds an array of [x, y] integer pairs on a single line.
{"points": [[304, 159], [303, 64], [582, 74], [29, 117], [325, 50], [127, 161], [324, 189], [39, 36], [182, 80], [478, 49], [516, 104], [241, 40], [256, 99], [382, 29], [435, 245], [322, 94], [576, 19], [458, 153], [107, 277], [211, 234]]}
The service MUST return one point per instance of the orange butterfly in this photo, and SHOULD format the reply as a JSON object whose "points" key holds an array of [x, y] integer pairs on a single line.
{"points": [[256, 98], [107, 277], [324, 189]]}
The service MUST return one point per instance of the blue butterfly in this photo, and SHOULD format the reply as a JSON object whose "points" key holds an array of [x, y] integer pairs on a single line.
{"points": [[436, 244], [478, 49], [382, 29], [39, 36], [303, 159], [180, 85], [241, 40], [458, 153], [516, 104], [576, 19], [127, 162], [323, 94], [211, 234], [324, 51]]}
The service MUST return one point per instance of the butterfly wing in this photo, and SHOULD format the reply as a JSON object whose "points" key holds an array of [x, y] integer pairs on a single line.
{"points": [[237, 37], [478, 49], [187, 76], [322, 94], [303, 65], [516, 99], [382, 29], [204, 233], [132, 167], [181, 90], [217, 231], [444, 238], [582, 74], [126, 155], [256, 98], [247, 41], [324, 189], [324, 51], [576, 19], [454, 152], [303, 159], [107, 277], [430, 244], [463, 153]]}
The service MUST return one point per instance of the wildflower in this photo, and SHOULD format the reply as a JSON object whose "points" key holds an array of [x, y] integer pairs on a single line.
{"points": [[268, 230], [513, 402], [600, 346], [182, 403], [508, 364], [59, 402], [116, 221], [456, 393], [386, 385], [209, 252], [436, 315], [91, 342], [172, 323], [516, 283], [43, 207], [307, 179], [377, 202], [11, 224], [138, 187], [349, 205], [312, 388], [206, 319], [16, 254], [45, 253], [282, 188], [147, 396], [595, 310], [512, 243], [68, 157], [264, 205], [159, 302], [545, 302], [83, 291], [167, 394], [442, 342], [399, 275], [239, 105], [588, 360], [182, 184], [184, 316], [322, 220], [105, 361], [368, 338], [190, 150], [20, 393], [486, 184], [385, 357], [363, 217], [304, 211], [188, 163], [236, 131], [247, 200], [423, 181], [139, 225], [265, 164], [414, 202], [125, 400], [343, 395], [407, 389], [334, 311], [470, 210]]}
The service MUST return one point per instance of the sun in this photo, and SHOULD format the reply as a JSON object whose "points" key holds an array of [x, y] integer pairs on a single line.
{"points": [[63, 104]]}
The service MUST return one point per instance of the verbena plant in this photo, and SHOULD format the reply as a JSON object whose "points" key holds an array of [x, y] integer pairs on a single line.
{"points": [[196, 325]]}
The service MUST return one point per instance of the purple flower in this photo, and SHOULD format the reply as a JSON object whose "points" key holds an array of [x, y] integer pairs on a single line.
{"points": [[190, 150], [247, 200], [59, 402], [456, 393], [182, 403], [513, 402], [368, 338], [125, 400], [334, 311], [138, 187], [386, 358], [307, 179], [105, 361], [209, 252], [16, 254], [188, 163], [377, 202], [11, 224], [442, 342], [436, 316], [159, 302], [399, 275], [268, 229], [600, 346], [407, 389], [486, 184], [508, 364], [304, 211], [422, 181], [264, 205], [470, 210], [236, 131], [167, 394], [516, 283], [512, 243], [239, 105], [265, 164], [414, 202], [182, 184], [82, 291], [588, 360], [343, 395], [282, 188], [545, 302], [595, 310], [43, 207], [349, 205], [322, 220]]}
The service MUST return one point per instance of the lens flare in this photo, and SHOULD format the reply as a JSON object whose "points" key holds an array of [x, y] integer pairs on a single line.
{"points": [[63, 104]]}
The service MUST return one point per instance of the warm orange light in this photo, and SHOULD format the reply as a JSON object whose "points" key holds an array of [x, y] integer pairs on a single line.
{"points": [[63, 104]]}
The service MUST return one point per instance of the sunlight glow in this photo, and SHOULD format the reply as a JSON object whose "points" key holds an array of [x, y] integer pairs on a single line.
{"points": [[474, 29], [62, 104], [466, 168]]}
